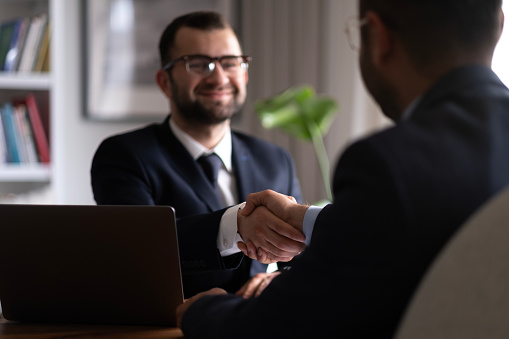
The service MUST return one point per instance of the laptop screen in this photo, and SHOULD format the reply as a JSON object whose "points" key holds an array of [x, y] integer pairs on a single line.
{"points": [[89, 264]]}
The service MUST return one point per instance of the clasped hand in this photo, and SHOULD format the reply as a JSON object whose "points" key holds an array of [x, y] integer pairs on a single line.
{"points": [[270, 225]]}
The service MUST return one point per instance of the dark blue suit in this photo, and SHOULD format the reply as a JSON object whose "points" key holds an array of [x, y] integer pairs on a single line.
{"points": [[149, 166], [399, 195]]}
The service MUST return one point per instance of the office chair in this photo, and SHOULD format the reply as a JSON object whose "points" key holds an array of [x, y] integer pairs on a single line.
{"points": [[465, 293]]}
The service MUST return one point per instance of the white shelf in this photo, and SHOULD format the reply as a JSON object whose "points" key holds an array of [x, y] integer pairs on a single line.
{"points": [[23, 81], [25, 173]]}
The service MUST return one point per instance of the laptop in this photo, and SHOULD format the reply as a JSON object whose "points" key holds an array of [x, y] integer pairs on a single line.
{"points": [[89, 264]]}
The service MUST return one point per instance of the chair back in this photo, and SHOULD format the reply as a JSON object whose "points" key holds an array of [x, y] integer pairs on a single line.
{"points": [[465, 293]]}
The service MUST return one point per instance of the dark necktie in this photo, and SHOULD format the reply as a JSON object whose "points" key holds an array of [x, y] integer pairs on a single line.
{"points": [[210, 165]]}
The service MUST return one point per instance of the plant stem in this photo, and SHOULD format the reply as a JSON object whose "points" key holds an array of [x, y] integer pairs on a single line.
{"points": [[321, 155]]}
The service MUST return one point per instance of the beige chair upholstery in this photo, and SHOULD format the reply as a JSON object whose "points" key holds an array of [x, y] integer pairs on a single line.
{"points": [[465, 294]]}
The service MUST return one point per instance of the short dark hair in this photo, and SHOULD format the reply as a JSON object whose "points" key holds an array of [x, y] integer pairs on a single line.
{"points": [[431, 29], [204, 20]]}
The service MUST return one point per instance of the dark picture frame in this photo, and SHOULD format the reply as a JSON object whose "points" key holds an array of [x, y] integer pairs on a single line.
{"points": [[121, 54]]}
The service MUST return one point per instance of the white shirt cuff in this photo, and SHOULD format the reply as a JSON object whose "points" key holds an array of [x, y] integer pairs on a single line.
{"points": [[228, 235], [308, 224]]}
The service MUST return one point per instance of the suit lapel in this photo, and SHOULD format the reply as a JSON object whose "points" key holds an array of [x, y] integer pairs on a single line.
{"points": [[187, 168], [244, 172]]}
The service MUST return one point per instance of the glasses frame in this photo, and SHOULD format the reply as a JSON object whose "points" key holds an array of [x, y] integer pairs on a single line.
{"points": [[354, 23], [246, 59]]}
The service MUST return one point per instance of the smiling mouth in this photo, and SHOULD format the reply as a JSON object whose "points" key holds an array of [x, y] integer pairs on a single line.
{"points": [[215, 94]]}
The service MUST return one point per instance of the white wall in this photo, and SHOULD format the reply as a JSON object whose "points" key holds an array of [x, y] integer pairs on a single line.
{"points": [[501, 57], [75, 138]]}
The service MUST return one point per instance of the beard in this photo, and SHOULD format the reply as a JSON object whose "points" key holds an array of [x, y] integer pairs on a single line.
{"points": [[196, 112], [380, 89]]}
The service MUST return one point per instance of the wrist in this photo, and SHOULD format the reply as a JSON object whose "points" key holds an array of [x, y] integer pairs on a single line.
{"points": [[295, 216]]}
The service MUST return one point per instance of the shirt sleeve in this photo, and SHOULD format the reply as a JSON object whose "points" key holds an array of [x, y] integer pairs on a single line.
{"points": [[308, 224], [228, 235]]}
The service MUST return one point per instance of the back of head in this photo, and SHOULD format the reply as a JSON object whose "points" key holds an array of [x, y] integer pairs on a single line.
{"points": [[434, 29], [204, 20]]}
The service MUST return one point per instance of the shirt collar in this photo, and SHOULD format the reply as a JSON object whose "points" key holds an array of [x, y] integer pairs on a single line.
{"points": [[223, 149]]}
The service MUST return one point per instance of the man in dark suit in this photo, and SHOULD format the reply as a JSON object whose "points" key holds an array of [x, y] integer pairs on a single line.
{"points": [[399, 195], [204, 75]]}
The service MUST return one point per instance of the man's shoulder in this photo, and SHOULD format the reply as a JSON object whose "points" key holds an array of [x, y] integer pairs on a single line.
{"points": [[137, 136], [253, 142]]}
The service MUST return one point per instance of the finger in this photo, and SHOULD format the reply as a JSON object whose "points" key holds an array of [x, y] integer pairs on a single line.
{"points": [[250, 287], [273, 256], [261, 255], [273, 245], [254, 200], [291, 198], [265, 282], [283, 237], [286, 230], [251, 250], [242, 247]]}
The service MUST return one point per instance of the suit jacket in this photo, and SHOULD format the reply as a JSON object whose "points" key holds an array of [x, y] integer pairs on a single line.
{"points": [[399, 195], [149, 166]]}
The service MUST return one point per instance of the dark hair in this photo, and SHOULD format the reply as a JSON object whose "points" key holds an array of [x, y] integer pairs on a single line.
{"points": [[204, 20], [431, 29]]}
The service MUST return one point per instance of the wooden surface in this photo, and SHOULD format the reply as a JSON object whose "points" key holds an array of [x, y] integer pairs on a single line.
{"points": [[15, 330]]}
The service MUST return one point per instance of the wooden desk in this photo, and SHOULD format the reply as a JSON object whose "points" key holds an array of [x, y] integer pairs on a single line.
{"points": [[15, 330]]}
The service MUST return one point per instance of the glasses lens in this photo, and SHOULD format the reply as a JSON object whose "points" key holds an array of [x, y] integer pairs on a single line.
{"points": [[233, 65], [203, 66], [200, 65]]}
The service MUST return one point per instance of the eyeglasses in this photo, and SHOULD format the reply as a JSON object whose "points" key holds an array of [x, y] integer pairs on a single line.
{"points": [[353, 32], [203, 65]]}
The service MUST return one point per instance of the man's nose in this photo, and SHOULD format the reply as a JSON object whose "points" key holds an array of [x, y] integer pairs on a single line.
{"points": [[218, 75]]}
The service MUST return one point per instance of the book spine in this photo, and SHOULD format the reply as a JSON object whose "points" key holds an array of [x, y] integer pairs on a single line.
{"points": [[11, 53], [10, 132], [20, 140], [40, 136], [43, 49], [20, 42], [3, 146], [31, 43], [27, 135]]}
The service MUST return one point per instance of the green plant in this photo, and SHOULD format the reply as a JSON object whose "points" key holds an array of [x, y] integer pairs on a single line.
{"points": [[301, 113]]}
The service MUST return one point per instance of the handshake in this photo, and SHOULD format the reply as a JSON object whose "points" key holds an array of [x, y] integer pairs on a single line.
{"points": [[271, 226]]}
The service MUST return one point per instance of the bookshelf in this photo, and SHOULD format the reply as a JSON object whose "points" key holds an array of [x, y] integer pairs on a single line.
{"points": [[15, 84]]}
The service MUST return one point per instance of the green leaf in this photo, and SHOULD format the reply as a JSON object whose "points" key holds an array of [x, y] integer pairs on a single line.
{"points": [[293, 109]]}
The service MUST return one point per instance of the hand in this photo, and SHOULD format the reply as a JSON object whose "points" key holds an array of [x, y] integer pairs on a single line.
{"points": [[256, 285], [282, 206], [266, 231], [252, 252], [182, 308]]}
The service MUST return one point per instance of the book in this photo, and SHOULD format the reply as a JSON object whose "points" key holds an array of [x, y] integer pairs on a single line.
{"points": [[17, 42], [3, 149], [32, 42], [46, 62], [20, 141], [10, 133], [26, 136], [39, 134], [43, 49], [7, 29]]}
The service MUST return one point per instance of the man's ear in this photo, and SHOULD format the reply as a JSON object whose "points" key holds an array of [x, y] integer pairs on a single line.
{"points": [[502, 22], [381, 38], [164, 83]]}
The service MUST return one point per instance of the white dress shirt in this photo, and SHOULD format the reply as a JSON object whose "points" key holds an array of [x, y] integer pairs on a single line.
{"points": [[228, 235]]}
